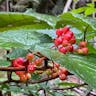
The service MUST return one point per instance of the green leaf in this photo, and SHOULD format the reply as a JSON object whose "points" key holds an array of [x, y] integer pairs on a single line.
{"points": [[14, 89], [89, 11], [82, 66], [64, 84], [23, 38], [79, 10], [49, 19], [18, 52], [13, 20], [75, 20], [4, 63], [35, 76]]}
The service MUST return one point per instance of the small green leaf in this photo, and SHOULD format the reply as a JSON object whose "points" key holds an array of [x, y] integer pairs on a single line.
{"points": [[4, 63], [64, 84], [18, 52], [35, 76]]}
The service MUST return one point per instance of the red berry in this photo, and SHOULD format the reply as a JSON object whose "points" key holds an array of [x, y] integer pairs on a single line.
{"points": [[70, 32], [67, 37], [65, 43], [82, 44], [56, 65], [58, 41], [15, 64], [28, 75], [23, 78], [29, 56], [19, 73], [20, 60], [64, 71], [80, 51], [85, 51], [62, 77], [31, 68], [63, 50], [70, 48], [66, 29], [73, 40], [39, 61], [59, 32]]}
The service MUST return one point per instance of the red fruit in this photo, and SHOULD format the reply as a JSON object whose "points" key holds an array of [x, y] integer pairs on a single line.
{"points": [[54, 75], [18, 62], [31, 68], [85, 51], [63, 50], [28, 75], [58, 41], [82, 44], [56, 65], [29, 56], [70, 48], [80, 51], [23, 78], [66, 29], [63, 71], [65, 43], [39, 61], [67, 37], [62, 77], [20, 73], [70, 32], [73, 40], [59, 32]]}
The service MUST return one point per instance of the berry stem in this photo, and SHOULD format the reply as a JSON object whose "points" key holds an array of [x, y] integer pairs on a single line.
{"points": [[85, 32]]}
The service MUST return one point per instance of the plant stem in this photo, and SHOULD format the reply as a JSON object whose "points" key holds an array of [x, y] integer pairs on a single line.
{"points": [[85, 32]]}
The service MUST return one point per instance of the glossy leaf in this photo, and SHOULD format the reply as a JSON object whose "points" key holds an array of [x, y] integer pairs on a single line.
{"points": [[23, 38], [18, 52], [68, 84], [82, 66], [4, 63], [75, 20], [15, 20]]}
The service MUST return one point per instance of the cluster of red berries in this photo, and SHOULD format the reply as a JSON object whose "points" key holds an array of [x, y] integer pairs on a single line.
{"points": [[61, 71], [65, 40], [29, 63], [82, 48]]}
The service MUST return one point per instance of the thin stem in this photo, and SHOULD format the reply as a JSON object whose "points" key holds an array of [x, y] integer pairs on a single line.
{"points": [[1, 93], [85, 31], [44, 92], [30, 81]]}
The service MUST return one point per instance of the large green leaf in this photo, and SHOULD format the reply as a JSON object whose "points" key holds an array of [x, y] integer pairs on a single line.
{"points": [[51, 20], [76, 20], [82, 66], [13, 20], [23, 38]]}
